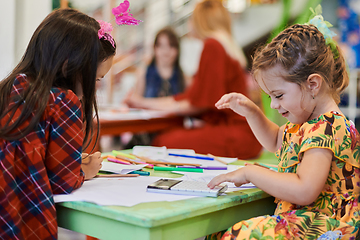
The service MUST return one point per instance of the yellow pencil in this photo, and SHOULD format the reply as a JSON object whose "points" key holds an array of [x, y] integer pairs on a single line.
{"points": [[123, 154]]}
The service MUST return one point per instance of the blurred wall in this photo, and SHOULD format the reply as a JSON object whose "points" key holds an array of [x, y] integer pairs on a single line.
{"points": [[18, 21]]}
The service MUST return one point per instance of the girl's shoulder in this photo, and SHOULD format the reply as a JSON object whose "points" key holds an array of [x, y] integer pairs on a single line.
{"points": [[331, 130], [60, 97], [213, 43], [332, 119], [57, 96]]}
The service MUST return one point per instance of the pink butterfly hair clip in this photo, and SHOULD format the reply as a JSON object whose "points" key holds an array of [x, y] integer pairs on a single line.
{"points": [[123, 16], [105, 32]]}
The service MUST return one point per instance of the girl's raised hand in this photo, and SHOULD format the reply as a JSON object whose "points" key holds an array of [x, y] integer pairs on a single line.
{"points": [[237, 177], [132, 99], [91, 164], [238, 103]]}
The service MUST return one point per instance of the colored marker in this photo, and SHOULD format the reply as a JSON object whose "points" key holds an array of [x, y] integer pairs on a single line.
{"points": [[191, 156], [180, 169], [141, 173], [208, 167]]}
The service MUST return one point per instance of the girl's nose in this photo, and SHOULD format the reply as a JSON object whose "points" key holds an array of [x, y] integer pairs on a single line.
{"points": [[274, 104]]}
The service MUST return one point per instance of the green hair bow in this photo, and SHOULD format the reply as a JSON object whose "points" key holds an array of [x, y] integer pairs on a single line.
{"points": [[318, 21]]}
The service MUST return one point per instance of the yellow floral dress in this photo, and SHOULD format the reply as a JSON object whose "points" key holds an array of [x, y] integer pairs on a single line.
{"points": [[335, 214]]}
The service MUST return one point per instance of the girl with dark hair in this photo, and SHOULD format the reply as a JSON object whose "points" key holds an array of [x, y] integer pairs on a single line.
{"points": [[162, 77], [47, 104]]}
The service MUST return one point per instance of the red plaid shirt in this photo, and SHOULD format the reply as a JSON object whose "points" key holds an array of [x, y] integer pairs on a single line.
{"points": [[44, 162]]}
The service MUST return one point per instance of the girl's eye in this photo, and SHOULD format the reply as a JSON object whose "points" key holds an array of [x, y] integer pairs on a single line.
{"points": [[279, 96]]}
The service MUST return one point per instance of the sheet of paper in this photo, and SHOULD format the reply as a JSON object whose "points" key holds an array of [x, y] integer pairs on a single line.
{"points": [[207, 175], [120, 168], [120, 191], [157, 153], [161, 154]]}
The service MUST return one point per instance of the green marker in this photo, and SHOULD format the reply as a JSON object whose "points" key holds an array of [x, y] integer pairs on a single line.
{"points": [[200, 170]]}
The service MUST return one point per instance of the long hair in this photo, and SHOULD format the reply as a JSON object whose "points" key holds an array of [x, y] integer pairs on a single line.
{"points": [[301, 51], [211, 19], [63, 52], [174, 42]]}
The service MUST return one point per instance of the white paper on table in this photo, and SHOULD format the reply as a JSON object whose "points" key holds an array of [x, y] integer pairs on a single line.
{"points": [[118, 191], [120, 168], [161, 154], [157, 153], [208, 175]]}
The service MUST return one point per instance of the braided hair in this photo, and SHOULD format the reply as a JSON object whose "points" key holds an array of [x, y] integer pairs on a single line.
{"points": [[301, 51]]}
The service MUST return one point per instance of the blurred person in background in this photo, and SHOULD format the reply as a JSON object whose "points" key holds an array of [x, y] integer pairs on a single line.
{"points": [[161, 78], [220, 71]]}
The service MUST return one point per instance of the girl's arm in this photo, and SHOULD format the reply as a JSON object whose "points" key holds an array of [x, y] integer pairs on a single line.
{"points": [[139, 87], [300, 188], [64, 146], [267, 133]]}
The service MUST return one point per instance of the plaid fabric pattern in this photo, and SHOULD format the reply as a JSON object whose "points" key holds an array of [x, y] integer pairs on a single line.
{"points": [[44, 162]]}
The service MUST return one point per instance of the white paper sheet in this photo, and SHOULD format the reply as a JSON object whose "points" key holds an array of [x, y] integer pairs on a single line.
{"points": [[120, 168], [207, 175], [161, 154], [119, 191]]}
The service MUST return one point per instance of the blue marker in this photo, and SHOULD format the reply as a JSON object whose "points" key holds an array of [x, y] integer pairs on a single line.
{"points": [[192, 156]]}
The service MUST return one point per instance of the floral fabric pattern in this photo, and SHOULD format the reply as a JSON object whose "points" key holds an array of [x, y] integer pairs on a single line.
{"points": [[335, 214]]}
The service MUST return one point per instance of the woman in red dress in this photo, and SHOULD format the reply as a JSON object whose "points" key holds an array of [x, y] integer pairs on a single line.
{"points": [[220, 71]]}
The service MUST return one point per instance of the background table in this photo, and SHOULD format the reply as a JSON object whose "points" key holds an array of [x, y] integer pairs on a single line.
{"points": [[185, 219], [136, 124]]}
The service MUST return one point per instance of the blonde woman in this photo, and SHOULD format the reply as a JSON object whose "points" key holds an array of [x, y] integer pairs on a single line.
{"points": [[220, 71]]}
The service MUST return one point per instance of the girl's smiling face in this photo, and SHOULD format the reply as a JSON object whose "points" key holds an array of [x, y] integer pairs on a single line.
{"points": [[165, 54], [291, 101]]}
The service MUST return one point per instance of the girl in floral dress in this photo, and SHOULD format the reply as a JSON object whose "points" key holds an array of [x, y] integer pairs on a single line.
{"points": [[318, 180]]}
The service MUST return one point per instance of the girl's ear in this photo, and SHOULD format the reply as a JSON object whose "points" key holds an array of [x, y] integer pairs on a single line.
{"points": [[64, 68], [314, 83]]}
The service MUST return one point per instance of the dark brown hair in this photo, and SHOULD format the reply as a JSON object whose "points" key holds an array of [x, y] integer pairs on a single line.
{"points": [[301, 51], [64, 50]]}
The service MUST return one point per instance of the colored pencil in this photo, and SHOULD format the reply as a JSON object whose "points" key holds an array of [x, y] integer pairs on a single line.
{"points": [[217, 159], [116, 175], [148, 160], [156, 168], [123, 154], [118, 161]]}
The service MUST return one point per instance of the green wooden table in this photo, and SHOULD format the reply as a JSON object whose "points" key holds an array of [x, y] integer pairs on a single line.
{"points": [[185, 219]]}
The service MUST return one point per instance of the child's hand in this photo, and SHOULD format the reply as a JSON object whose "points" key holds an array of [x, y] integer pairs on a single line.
{"points": [[238, 103], [132, 100], [237, 177], [91, 164]]}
